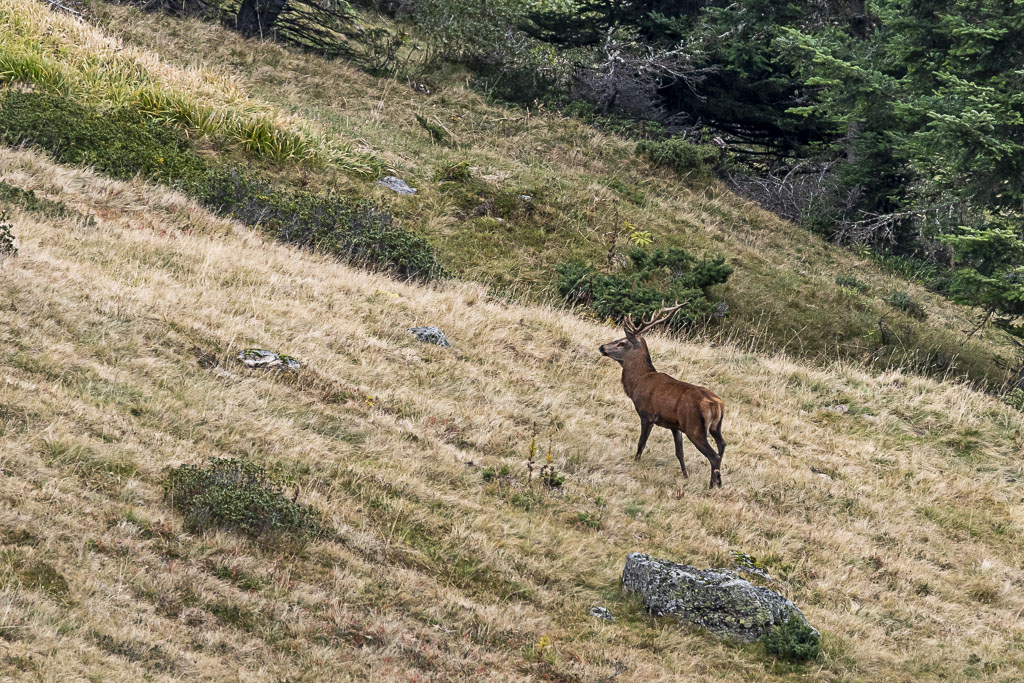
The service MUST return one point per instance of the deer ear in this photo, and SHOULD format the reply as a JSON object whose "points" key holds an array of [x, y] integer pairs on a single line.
{"points": [[630, 336]]}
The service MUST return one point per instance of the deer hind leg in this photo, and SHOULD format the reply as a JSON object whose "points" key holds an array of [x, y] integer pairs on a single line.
{"points": [[701, 442], [716, 433], [677, 436], [645, 431]]}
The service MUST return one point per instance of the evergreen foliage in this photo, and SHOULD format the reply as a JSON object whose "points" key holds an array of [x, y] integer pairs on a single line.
{"points": [[990, 272], [792, 640]]}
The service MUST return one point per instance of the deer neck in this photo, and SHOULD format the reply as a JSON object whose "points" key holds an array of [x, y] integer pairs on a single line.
{"points": [[635, 368]]}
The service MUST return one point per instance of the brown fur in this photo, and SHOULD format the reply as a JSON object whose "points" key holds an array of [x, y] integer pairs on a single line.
{"points": [[677, 406]]}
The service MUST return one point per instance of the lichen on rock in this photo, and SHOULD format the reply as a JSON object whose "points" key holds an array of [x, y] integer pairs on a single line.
{"points": [[716, 599]]}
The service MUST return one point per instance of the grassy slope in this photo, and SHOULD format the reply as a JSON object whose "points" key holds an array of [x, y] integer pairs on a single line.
{"points": [[54, 51], [907, 553], [782, 296]]}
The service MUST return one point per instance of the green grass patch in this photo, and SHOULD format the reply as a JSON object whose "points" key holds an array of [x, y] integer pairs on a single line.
{"points": [[35, 574], [86, 463], [685, 158], [121, 142], [901, 301], [357, 231], [851, 282]]}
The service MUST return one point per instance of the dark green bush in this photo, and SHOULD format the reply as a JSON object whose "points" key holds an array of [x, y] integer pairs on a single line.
{"points": [[121, 143], [679, 155], [7, 246], [792, 640], [901, 301], [651, 279], [124, 143], [241, 496]]}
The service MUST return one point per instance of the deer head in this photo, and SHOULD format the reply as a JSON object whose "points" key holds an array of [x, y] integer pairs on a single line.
{"points": [[620, 349]]}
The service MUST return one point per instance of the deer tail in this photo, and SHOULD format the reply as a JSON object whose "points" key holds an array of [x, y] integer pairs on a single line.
{"points": [[712, 413]]}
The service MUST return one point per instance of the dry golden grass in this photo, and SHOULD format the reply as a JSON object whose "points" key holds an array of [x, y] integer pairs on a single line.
{"points": [[906, 553]]}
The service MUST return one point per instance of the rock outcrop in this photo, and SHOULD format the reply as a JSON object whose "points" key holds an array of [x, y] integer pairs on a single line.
{"points": [[716, 599]]}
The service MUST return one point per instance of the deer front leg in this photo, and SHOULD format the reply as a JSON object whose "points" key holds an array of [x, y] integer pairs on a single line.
{"points": [[677, 436], [645, 431]]}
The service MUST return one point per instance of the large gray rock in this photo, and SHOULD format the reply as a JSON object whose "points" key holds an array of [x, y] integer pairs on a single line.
{"points": [[716, 599]]}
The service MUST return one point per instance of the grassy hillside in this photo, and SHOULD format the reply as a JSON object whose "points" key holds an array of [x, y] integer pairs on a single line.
{"points": [[896, 526], [328, 126]]}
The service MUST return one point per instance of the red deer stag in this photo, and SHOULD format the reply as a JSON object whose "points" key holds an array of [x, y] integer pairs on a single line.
{"points": [[661, 400]]}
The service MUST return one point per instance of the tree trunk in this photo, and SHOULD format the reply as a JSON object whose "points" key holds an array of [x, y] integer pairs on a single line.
{"points": [[257, 17]]}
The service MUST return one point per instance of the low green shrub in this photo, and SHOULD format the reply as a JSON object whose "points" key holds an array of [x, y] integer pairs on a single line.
{"points": [[679, 155], [34, 574], [652, 278], [625, 126], [240, 496], [792, 640], [901, 301], [589, 520], [492, 473], [42, 576], [7, 246], [121, 143], [932, 275]]}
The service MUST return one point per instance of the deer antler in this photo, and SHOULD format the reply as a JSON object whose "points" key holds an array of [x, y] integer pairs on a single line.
{"points": [[647, 322]]}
